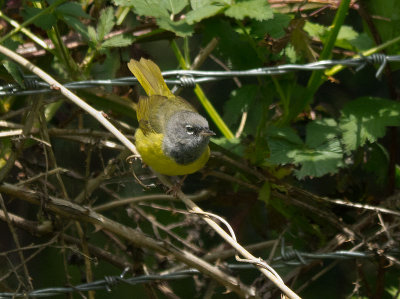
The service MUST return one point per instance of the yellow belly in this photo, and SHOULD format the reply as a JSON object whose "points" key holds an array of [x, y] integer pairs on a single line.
{"points": [[150, 148]]}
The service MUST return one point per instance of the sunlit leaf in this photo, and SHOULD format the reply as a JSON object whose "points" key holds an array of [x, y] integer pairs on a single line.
{"points": [[201, 13], [254, 9], [366, 119]]}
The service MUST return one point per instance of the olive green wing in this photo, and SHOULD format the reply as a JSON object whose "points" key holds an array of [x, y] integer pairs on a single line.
{"points": [[154, 111]]}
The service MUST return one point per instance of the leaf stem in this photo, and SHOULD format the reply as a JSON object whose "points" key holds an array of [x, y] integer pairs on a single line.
{"points": [[31, 20], [317, 77], [27, 32], [371, 51]]}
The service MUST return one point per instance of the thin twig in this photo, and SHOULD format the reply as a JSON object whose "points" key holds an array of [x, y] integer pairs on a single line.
{"points": [[17, 244], [98, 115], [74, 211], [196, 209]]}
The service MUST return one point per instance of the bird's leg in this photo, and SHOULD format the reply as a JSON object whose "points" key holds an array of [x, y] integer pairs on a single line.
{"points": [[176, 186]]}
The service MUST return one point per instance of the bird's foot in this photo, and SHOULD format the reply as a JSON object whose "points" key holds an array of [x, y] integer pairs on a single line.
{"points": [[176, 187]]}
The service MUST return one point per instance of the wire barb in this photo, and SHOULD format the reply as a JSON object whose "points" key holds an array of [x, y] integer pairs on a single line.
{"points": [[187, 81], [188, 78]]}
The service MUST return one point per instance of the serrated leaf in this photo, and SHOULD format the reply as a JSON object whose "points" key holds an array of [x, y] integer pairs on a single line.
{"points": [[12, 69], [180, 28], [274, 27], [238, 103], [151, 8], [106, 23], [321, 131], [71, 9], [283, 144], [107, 69], [315, 30], [122, 40], [322, 160], [287, 148], [201, 13], [301, 41], [78, 26], [92, 34], [285, 133], [366, 119], [46, 21], [254, 9]]}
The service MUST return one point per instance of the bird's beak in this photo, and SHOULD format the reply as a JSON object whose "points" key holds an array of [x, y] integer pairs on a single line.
{"points": [[206, 132]]}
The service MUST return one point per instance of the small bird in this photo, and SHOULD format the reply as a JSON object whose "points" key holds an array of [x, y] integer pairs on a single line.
{"points": [[172, 137]]}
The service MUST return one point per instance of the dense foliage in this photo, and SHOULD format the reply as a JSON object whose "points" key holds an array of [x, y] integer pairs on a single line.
{"points": [[308, 160]]}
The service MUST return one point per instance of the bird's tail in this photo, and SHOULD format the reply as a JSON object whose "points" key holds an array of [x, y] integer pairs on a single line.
{"points": [[149, 76]]}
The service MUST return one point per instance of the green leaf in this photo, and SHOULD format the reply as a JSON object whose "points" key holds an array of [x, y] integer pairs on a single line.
{"points": [[233, 145], [196, 4], [301, 41], [174, 6], [71, 9], [284, 143], [397, 176], [150, 8], [285, 133], [265, 193], [125, 3], [362, 42], [92, 34], [180, 28], [78, 26], [232, 46], [106, 23], [46, 21], [122, 40], [387, 21], [345, 36], [321, 131], [321, 154], [377, 162], [238, 103], [107, 69], [254, 9], [274, 27], [201, 13], [366, 119], [13, 70], [315, 30], [324, 159]]}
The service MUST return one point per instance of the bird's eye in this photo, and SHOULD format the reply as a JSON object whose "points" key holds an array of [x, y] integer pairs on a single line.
{"points": [[189, 129]]}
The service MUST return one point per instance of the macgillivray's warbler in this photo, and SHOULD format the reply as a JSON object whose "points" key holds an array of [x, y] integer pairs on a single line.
{"points": [[172, 137]]}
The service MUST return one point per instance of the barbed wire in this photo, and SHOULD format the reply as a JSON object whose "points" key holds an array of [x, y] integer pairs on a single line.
{"points": [[188, 78], [289, 257]]}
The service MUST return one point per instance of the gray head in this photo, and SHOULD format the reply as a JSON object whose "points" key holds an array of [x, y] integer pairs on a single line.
{"points": [[186, 136]]}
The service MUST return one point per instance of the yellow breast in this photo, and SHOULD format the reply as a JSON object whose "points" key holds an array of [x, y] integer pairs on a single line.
{"points": [[150, 148]]}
